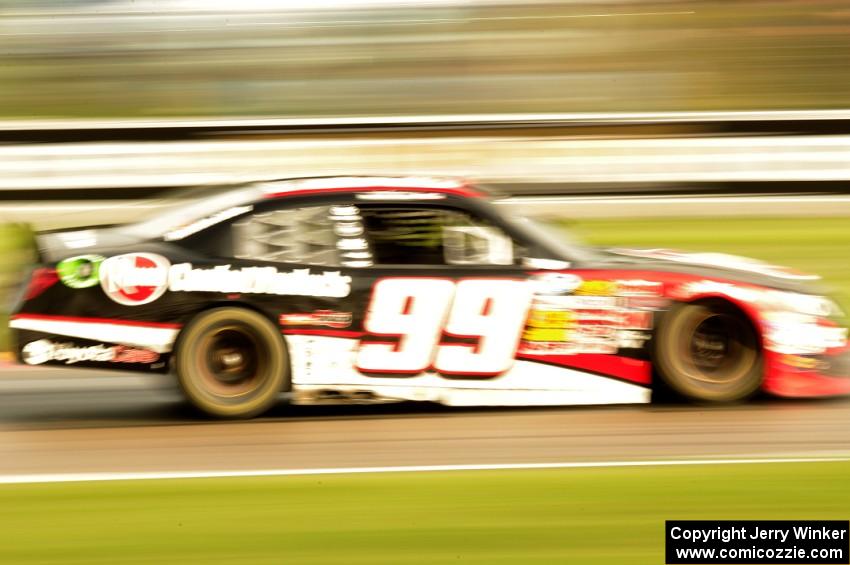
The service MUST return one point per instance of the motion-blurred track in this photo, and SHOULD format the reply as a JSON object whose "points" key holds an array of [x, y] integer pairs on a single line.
{"points": [[73, 421]]}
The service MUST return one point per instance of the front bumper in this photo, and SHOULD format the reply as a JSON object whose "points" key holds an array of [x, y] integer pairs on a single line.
{"points": [[795, 376]]}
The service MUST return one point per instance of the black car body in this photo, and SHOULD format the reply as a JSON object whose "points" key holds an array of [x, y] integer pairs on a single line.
{"points": [[372, 289]]}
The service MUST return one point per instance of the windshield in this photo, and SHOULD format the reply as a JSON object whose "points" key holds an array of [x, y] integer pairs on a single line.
{"points": [[556, 238]]}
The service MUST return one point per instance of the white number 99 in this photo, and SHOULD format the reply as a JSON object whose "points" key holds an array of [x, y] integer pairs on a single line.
{"points": [[419, 310]]}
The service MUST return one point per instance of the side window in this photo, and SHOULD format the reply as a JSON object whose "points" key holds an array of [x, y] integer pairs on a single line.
{"points": [[416, 235], [316, 235]]}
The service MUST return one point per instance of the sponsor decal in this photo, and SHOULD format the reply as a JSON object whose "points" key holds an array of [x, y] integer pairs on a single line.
{"points": [[804, 363], [598, 317], [258, 280], [140, 278], [82, 271], [124, 354], [601, 347], [547, 334], [547, 348], [597, 288], [638, 287], [641, 320], [567, 348], [590, 332], [646, 302], [135, 278], [624, 319], [44, 350], [555, 283], [567, 325], [567, 283], [573, 302], [328, 318], [540, 318]]}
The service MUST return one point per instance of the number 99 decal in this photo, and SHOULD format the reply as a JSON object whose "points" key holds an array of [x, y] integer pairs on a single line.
{"points": [[418, 311]]}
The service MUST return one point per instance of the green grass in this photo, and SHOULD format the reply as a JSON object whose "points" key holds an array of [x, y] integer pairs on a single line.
{"points": [[613, 515], [468, 59]]}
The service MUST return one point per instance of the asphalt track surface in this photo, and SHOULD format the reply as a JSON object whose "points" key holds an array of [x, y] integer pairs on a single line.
{"points": [[82, 421]]}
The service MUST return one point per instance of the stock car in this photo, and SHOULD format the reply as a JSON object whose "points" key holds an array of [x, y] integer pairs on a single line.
{"points": [[382, 289]]}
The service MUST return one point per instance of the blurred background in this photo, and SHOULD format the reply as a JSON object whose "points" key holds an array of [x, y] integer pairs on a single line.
{"points": [[195, 58]]}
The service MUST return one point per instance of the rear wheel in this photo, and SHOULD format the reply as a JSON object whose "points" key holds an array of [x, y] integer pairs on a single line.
{"points": [[709, 352], [232, 363]]}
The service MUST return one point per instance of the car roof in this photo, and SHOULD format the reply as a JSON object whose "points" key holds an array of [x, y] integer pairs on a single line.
{"points": [[247, 194], [321, 185]]}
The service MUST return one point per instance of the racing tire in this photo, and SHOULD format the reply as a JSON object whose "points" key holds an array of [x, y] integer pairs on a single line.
{"points": [[232, 363], [708, 352]]}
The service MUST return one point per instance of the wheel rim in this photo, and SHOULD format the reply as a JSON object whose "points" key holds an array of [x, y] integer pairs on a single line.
{"points": [[718, 349], [230, 361]]}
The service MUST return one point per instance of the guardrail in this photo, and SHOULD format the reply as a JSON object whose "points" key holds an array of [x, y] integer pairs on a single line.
{"points": [[518, 159], [796, 122], [118, 163]]}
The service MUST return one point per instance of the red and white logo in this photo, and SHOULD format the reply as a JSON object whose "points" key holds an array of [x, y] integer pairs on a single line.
{"points": [[134, 278]]}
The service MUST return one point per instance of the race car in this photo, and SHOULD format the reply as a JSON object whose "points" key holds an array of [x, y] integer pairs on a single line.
{"points": [[383, 289]]}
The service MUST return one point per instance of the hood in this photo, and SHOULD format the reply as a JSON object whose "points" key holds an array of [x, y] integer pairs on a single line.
{"points": [[718, 265]]}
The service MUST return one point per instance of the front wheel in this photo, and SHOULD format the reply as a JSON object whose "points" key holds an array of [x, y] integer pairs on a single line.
{"points": [[232, 363], [708, 352]]}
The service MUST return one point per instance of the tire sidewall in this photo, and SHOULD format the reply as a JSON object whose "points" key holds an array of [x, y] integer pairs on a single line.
{"points": [[668, 339], [275, 377]]}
